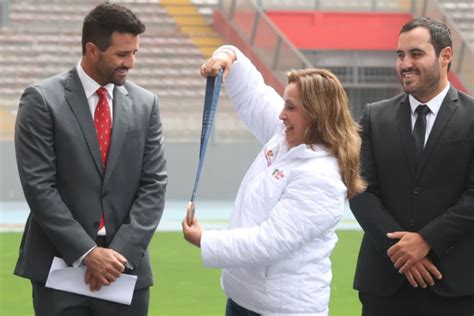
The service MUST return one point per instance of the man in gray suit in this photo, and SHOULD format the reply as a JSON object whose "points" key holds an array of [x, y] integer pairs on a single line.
{"points": [[417, 213], [90, 156]]}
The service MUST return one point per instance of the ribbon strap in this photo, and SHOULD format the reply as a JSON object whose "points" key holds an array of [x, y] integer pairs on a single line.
{"points": [[213, 88]]}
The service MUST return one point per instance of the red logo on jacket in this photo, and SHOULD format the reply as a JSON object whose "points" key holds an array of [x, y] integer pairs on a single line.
{"points": [[277, 174]]}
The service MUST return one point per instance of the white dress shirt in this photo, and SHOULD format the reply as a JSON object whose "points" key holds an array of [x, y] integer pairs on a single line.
{"points": [[90, 88], [434, 105]]}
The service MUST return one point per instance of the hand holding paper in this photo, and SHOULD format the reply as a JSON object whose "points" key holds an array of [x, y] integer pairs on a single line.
{"points": [[105, 265], [70, 279]]}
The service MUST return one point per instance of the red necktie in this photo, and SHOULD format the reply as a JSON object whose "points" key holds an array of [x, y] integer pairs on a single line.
{"points": [[103, 126]]}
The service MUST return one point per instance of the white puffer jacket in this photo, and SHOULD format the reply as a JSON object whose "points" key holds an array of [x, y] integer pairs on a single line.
{"points": [[275, 256]]}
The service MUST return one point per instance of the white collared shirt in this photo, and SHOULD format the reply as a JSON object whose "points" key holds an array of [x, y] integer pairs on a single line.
{"points": [[434, 105], [90, 88]]}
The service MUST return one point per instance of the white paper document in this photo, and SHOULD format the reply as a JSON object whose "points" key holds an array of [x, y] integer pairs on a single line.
{"points": [[70, 279]]}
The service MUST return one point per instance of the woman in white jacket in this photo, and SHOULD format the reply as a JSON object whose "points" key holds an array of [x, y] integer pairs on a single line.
{"points": [[275, 255]]}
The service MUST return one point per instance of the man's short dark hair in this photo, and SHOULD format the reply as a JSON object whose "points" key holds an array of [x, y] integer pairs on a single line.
{"points": [[439, 32], [106, 19]]}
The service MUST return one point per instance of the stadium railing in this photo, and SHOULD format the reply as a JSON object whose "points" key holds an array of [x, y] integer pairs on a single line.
{"points": [[269, 44], [463, 64], [272, 47], [338, 5]]}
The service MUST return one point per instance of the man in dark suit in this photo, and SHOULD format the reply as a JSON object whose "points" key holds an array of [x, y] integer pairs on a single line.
{"points": [[90, 156], [417, 253]]}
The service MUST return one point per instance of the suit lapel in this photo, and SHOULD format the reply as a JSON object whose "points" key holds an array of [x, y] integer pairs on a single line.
{"points": [[76, 98], [122, 109], [447, 109], [404, 126]]}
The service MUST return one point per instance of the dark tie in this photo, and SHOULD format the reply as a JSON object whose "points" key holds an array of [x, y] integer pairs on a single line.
{"points": [[420, 128], [103, 126]]}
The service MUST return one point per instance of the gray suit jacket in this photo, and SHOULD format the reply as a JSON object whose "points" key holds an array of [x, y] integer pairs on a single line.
{"points": [[436, 199], [66, 187]]}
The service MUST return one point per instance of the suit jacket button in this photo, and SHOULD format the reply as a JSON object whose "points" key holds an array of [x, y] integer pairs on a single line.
{"points": [[449, 249], [416, 190], [411, 222]]}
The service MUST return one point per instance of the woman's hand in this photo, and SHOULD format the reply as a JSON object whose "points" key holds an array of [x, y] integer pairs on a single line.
{"points": [[192, 233], [222, 58]]}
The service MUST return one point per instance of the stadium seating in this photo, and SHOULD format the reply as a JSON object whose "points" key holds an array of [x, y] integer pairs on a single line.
{"points": [[43, 38], [462, 13]]}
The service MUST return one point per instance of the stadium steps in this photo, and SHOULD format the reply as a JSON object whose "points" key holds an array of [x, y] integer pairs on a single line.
{"points": [[462, 13], [191, 22]]}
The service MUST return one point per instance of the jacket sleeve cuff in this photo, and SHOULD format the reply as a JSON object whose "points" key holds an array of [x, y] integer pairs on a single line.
{"points": [[209, 246], [439, 247], [80, 261]]}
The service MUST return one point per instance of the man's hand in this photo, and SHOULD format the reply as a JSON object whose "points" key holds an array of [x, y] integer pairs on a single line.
{"points": [[94, 284], [192, 233], [104, 266], [221, 58], [410, 249], [422, 273]]}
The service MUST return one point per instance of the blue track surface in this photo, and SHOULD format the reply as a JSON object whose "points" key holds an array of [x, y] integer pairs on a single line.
{"points": [[211, 214]]}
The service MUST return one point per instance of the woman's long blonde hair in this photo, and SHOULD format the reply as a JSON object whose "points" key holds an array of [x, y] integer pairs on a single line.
{"points": [[331, 124]]}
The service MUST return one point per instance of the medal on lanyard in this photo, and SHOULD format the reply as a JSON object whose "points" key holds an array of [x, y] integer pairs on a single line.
{"points": [[213, 88]]}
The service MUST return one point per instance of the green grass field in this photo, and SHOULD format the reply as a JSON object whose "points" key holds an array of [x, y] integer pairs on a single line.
{"points": [[182, 285]]}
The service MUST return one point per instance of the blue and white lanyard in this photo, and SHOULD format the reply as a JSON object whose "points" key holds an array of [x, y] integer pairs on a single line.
{"points": [[213, 88]]}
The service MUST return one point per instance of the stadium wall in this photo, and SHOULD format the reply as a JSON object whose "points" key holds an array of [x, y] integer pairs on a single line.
{"points": [[224, 168], [345, 31], [340, 30]]}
